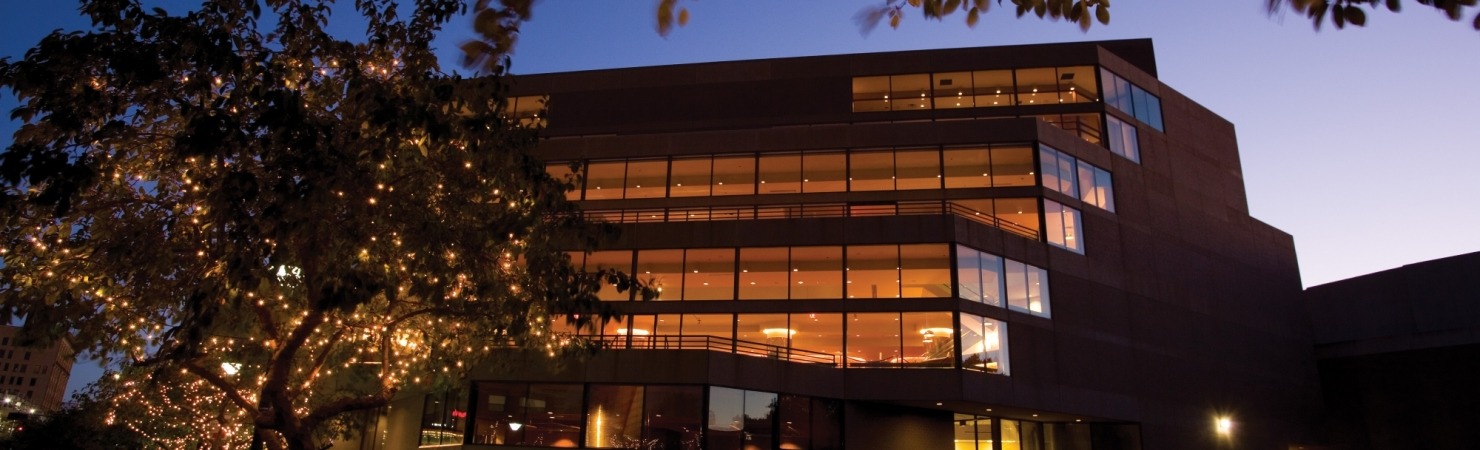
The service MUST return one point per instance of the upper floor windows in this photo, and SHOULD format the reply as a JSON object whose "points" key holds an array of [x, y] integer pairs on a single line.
{"points": [[1061, 226], [997, 281], [1076, 178], [809, 172], [975, 89], [1127, 97], [528, 110], [1123, 140]]}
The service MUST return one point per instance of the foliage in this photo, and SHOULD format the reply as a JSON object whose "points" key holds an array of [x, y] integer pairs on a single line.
{"points": [[1343, 12], [80, 425], [261, 218], [1081, 13]]}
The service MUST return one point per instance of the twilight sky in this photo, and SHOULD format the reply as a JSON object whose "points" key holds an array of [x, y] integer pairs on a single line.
{"points": [[1344, 144]]}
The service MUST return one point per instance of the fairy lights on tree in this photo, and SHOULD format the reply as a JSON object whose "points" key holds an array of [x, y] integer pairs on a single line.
{"points": [[273, 228]]}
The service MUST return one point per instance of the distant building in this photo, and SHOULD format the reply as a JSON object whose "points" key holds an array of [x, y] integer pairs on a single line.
{"points": [[1399, 356], [1035, 247], [32, 376]]}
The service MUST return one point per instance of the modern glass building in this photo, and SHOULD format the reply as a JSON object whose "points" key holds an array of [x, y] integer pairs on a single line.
{"points": [[1008, 248]]}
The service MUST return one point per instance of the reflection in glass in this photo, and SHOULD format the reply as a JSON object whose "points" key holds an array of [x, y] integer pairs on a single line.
{"points": [[672, 422], [614, 416], [983, 344], [726, 419]]}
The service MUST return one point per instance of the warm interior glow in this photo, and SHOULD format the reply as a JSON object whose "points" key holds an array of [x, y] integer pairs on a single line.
{"points": [[1224, 425]]}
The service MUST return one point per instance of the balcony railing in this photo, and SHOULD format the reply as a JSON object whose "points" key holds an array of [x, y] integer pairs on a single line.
{"points": [[811, 210], [713, 343]]}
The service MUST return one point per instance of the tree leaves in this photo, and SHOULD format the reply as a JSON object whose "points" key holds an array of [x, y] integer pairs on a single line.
{"points": [[1074, 10], [1354, 12]]}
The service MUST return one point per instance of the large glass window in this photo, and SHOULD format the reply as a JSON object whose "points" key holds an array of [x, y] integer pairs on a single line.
{"points": [[729, 420], [871, 171], [614, 416], [1062, 226], [691, 177], [720, 326], [1077, 85], [1012, 166], [870, 94], [1095, 187], [709, 274], [1122, 138], [928, 339], [873, 271], [1058, 169], [909, 92], [968, 167], [781, 173], [663, 271], [925, 270], [1037, 86], [979, 276], [620, 260], [605, 179], [670, 418], [973, 433], [953, 90], [647, 178], [1126, 96], [562, 171], [764, 273], [983, 344], [539, 415], [734, 175], [818, 332], [824, 172], [873, 340], [917, 169], [993, 87], [443, 419], [816, 272], [1027, 288]]}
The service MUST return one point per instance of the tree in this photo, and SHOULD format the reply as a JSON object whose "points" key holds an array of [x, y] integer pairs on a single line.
{"points": [[81, 425], [262, 219], [1354, 12]]}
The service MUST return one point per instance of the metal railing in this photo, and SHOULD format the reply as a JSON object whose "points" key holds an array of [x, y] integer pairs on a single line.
{"points": [[713, 343], [812, 210]]}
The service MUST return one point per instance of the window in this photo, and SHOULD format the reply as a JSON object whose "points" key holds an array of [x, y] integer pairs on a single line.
{"points": [[817, 332], [709, 274], [973, 432], [734, 175], [873, 271], [979, 276], [541, 415], [816, 272], [613, 416], [1058, 170], [1123, 140], [953, 90], [663, 271], [670, 419], [917, 169], [604, 179], [925, 271], [1061, 226], [1095, 187], [824, 172], [647, 179], [871, 171], [527, 110], [620, 260], [968, 167], [764, 273], [1127, 97], [983, 344], [928, 340], [442, 418], [691, 177], [562, 171], [780, 173], [993, 87], [740, 419], [1027, 288]]}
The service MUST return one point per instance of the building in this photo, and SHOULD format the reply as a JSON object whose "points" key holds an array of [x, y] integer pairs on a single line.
{"points": [[1008, 248], [32, 377], [1399, 353]]}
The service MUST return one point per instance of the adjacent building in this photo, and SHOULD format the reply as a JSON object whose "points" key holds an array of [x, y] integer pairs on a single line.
{"points": [[1399, 356], [1034, 247], [32, 377]]}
